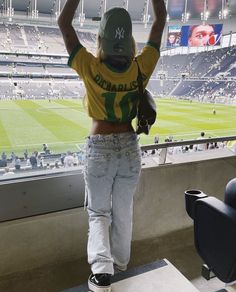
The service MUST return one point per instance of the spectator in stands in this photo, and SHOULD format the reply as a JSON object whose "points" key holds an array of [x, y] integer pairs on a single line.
{"points": [[4, 156], [185, 149], [80, 157], [76, 160], [56, 165], [199, 35], [190, 149], [33, 160], [69, 159], [3, 163], [46, 149], [156, 139], [13, 157], [17, 163], [3, 160], [203, 146], [28, 162], [113, 161], [41, 161], [62, 158], [26, 154], [210, 145], [171, 138]]}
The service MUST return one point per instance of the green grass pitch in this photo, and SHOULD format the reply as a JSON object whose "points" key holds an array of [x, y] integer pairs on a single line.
{"points": [[64, 124]]}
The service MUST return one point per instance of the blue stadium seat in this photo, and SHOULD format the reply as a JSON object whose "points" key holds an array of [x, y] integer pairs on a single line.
{"points": [[215, 230]]}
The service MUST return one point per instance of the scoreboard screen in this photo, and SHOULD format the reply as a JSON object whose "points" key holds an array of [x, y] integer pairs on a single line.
{"points": [[200, 35]]}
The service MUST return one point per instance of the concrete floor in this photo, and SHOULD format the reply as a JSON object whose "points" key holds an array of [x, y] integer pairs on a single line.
{"points": [[177, 247]]}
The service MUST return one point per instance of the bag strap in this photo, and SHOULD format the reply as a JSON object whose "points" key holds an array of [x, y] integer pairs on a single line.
{"points": [[139, 80]]}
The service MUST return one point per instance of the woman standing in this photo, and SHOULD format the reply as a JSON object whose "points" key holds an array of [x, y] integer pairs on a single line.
{"points": [[113, 160]]}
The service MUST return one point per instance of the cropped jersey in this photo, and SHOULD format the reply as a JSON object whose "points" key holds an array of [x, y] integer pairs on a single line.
{"points": [[112, 95]]}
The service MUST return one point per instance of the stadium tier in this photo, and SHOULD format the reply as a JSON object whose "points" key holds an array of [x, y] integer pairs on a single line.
{"points": [[35, 52]]}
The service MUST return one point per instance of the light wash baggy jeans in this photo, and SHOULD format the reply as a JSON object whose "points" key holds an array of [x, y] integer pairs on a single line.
{"points": [[112, 169]]}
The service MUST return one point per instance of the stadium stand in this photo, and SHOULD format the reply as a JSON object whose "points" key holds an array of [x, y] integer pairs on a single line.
{"points": [[203, 76], [199, 75]]}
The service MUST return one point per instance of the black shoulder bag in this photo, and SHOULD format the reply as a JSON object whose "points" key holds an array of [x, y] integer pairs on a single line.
{"points": [[146, 114]]}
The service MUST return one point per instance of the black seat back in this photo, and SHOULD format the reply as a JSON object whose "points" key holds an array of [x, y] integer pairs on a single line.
{"points": [[215, 230], [215, 236]]}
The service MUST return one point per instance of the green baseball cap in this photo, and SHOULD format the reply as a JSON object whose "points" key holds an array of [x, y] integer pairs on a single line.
{"points": [[115, 32]]}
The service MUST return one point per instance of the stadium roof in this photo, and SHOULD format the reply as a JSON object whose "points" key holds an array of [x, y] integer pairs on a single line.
{"points": [[94, 8]]}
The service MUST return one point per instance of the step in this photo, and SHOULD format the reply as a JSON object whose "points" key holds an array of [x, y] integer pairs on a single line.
{"points": [[159, 276]]}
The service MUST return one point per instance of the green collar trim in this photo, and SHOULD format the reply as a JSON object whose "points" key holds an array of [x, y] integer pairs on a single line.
{"points": [[154, 45], [73, 53]]}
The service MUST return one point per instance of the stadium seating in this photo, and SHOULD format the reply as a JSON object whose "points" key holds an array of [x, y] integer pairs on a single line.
{"points": [[203, 76], [200, 75], [215, 230]]}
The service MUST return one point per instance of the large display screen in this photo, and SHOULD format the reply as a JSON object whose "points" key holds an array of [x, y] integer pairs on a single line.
{"points": [[194, 36], [174, 36]]}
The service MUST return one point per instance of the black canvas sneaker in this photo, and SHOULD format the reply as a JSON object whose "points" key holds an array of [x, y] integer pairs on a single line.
{"points": [[99, 283]]}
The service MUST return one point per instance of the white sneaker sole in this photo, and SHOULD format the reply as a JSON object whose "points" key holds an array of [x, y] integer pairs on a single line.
{"points": [[94, 288]]}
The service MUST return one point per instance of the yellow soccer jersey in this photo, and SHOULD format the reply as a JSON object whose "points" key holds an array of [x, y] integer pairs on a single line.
{"points": [[112, 95]]}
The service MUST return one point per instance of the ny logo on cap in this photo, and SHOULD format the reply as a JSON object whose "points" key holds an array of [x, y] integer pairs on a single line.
{"points": [[120, 33]]}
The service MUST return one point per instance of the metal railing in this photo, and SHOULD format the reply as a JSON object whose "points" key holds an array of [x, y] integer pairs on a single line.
{"points": [[187, 142]]}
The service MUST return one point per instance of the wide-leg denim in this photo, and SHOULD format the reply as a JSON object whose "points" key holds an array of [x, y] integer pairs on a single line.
{"points": [[112, 169]]}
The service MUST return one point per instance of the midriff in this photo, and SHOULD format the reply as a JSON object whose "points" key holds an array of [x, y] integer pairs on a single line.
{"points": [[106, 128]]}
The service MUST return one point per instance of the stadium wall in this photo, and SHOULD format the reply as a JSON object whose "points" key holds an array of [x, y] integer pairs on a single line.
{"points": [[59, 237]]}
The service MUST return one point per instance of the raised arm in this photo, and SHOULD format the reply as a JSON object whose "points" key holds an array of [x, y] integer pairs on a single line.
{"points": [[65, 24], [158, 25]]}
